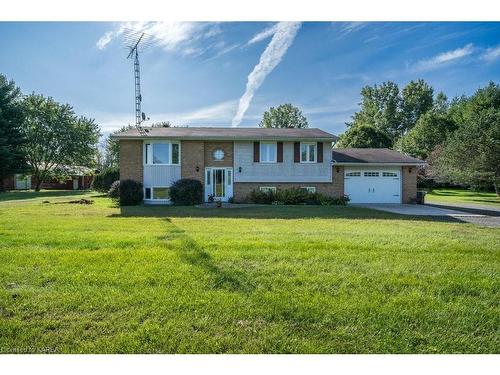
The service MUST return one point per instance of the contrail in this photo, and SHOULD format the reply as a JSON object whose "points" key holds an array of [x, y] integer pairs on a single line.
{"points": [[270, 58]]}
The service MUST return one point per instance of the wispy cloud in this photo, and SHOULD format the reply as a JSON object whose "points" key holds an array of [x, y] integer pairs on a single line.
{"points": [[444, 58], [282, 39], [264, 34], [350, 27], [491, 54], [170, 36]]}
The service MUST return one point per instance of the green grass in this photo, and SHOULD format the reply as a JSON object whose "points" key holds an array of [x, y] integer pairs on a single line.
{"points": [[92, 279], [462, 196]]}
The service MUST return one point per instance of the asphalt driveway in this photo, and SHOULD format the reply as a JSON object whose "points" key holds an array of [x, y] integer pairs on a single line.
{"points": [[432, 211]]}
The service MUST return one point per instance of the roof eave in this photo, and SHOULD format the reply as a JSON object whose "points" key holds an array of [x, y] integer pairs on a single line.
{"points": [[360, 164], [222, 138]]}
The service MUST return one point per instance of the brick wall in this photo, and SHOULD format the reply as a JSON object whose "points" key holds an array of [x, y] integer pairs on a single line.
{"points": [[241, 190], [338, 181], [409, 184], [192, 156], [131, 160], [211, 146]]}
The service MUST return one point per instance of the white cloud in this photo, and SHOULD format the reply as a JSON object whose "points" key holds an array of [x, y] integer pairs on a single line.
{"points": [[170, 36], [444, 58], [491, 54], [351, 27], [270, 58], [264, 34]]}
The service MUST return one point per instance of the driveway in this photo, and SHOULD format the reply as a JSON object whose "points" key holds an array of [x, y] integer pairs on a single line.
{"points": [[424, 210]]}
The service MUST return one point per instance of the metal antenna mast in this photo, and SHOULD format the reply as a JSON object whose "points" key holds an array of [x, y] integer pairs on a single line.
{"points": [[139, 116]]}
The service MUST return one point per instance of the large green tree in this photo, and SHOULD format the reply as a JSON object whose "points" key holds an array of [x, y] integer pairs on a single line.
{"points": [[431, 130], [55, 137], [12, 157], [416, 100], [471, 154], [284, 116], [364, 136]]}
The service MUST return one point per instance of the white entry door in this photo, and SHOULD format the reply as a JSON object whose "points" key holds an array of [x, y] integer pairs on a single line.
{"points": [[373, 185], [218, 183]]}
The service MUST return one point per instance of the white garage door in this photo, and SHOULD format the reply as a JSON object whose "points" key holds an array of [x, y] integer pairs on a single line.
{"points": [[364, 185]]}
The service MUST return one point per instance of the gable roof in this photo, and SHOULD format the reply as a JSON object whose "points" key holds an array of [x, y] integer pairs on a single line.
{"points": [[206, 133], [371, 155]]}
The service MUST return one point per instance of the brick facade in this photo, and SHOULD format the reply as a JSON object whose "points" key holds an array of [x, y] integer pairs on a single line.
{"points": [[409, 184], [338, 181], [131, 160], [192, 157], [211, 146]]}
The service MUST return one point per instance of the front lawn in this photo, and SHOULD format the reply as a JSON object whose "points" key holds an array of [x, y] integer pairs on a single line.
{"points": [[462, 196], [91, 279]]}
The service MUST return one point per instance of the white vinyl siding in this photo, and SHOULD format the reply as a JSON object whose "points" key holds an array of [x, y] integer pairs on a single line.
{"points": [[287, 171]]}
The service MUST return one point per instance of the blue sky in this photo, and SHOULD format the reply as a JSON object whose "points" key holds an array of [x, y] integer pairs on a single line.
{"points": [[224, 74]]}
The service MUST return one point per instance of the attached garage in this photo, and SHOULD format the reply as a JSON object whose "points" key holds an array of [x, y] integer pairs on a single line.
{"points": [[377, 175], [373, 185]]}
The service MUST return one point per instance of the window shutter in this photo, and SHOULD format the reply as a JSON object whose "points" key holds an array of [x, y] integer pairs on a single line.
{"points": [[296, 152], [319, 157], [256, 152], [279, 157]]}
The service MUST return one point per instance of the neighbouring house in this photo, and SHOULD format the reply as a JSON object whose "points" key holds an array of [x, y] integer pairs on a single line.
{"points": [[72, 178], [231, 162]]}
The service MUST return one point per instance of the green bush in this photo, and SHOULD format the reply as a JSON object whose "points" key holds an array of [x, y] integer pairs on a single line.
{"points": [[186, 192], [295, 196], [102, 181], [126, 192]]}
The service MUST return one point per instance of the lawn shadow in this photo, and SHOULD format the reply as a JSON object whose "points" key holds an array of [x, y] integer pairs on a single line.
{"points": [[194, 254], [275, 212], [31, 194]]}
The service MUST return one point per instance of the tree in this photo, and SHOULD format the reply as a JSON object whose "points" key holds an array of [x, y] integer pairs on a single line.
{"points": [[162, 124], [431, 130], [284, 116], [379, 109], [416, 100], [111, 157], [55, 137], [12, 158], [471, 155], [364, 136]]}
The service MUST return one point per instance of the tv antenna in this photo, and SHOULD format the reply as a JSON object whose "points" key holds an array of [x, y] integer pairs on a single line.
{"points": [[133, 43]]}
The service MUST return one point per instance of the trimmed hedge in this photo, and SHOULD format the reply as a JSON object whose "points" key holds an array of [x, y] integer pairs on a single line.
{"points": [[126, 192], [102, 181], [295, 196], [186, 192]]}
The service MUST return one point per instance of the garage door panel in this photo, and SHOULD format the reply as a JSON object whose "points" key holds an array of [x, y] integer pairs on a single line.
{"points": [[373, 185]]}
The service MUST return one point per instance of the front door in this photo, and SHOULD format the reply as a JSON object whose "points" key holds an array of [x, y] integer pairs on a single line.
{"points": [[218, 184]]}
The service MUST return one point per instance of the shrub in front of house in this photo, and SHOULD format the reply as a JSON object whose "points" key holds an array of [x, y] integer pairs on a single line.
{"points": [[126, 192], [295, 196], [102, 181], [186, 192]]}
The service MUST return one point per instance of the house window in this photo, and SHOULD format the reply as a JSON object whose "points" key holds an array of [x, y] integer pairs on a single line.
{"points": [[268, 152], [161, 193], [309, 189], [353, 174], [268, 189], [162, 153], [308, 152], [371, 174], [157, 193], [389, 174]]}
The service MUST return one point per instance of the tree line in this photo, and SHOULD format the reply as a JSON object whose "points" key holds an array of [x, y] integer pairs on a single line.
{"points": [[460, 139], [40, 136]]}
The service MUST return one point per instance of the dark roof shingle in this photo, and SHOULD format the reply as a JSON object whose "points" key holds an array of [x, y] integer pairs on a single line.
{"points": [[202, 133], [371, 155]]}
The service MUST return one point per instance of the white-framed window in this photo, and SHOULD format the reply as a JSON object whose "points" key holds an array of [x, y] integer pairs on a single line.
{"points": [[308, 151], [268, 189], [162, 153], [371, 174], [268, 152], [157, 193], [309, 189], [389, 174], [353, 174]]}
